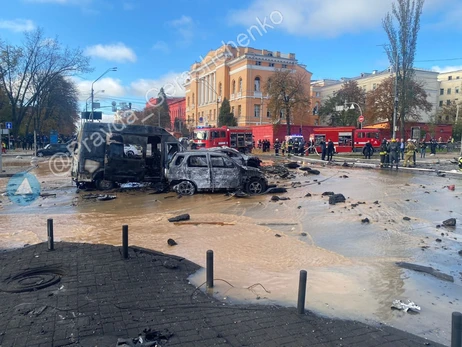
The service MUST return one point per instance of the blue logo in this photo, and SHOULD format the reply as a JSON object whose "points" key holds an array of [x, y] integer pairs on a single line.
{"points": [[23, 189], [8, 125]]}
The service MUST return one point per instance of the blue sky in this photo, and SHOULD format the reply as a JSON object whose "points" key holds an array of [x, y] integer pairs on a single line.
{"points": [[153, 42]]}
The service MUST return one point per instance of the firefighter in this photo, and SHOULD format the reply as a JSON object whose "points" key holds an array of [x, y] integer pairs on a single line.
{"points": [[383, 151], [460, 163], [277, 147], [393, 149], [368, 150], [330, 150], [410, 150]]}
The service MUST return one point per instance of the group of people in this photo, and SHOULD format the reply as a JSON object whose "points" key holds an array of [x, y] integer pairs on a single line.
{"points": [[264, 145], [391, 152]]}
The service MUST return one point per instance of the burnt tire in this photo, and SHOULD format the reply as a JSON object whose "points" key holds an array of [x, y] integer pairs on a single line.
{"points": [[255, 186], [185, 188], [104, 184], [130, 154]]}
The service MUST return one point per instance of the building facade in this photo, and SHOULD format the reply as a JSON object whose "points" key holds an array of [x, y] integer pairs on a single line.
{"points": [[237, 74], [450, 88], [176, 108], [370, 81]]}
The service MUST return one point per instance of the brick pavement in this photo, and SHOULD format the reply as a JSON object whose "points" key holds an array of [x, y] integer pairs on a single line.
{"points": [[101, 297]]}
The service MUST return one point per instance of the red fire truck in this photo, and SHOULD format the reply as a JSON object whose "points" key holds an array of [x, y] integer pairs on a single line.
{"points": [[346, 139], [239, 138]]}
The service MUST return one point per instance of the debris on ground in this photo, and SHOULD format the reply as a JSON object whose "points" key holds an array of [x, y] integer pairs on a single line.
{"points": [[336, 198], [150, 339], [171, 242], [48, 195], [327, 194], [276, 190], [426, 269], [106, 197], [451, 222], [292, 165], [307, 195], [275, 198], [452, 187], [180, 218], [209, 223], [406, 218], [277, 235], [405, 306], [365, 221]]}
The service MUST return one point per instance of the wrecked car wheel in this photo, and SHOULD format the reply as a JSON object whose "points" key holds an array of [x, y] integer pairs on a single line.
{"points": [[104, 184], [186, 188], [255, 186], [130, 154]]}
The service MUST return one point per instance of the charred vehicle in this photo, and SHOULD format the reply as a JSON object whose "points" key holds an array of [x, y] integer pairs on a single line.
{"points": [[238, 157], [100, 157], [195, 171]]}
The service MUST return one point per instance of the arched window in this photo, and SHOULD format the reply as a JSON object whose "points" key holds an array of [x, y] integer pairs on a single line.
{"points": [[240, 85], [220, 89], [257, 84], [193, 99], [233, 85], [188, 101]]}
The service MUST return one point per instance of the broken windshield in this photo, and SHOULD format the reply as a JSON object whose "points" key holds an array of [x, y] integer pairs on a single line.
{"points": [[200, 135]]}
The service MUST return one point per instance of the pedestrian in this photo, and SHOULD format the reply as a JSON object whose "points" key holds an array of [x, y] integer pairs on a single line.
{"points": [[415, 151], [3, 147], [433, 146], [330, 150], [402, 145], [283, 147], [277, 147], [368, 150], [393, 150], [410, 150], [383, 153], [423, 148]]}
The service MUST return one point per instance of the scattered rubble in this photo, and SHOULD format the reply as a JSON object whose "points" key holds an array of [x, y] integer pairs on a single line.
{"points": [[365, 221], [106, 197], [307, 195], [408, 306], [451, 222], [336, 198], [406, 218], [181, 217], [171, 242], [426, 269], [327, 194]]}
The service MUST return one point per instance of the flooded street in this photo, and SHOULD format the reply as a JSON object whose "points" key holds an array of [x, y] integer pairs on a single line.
{"points": [[263, 244]]}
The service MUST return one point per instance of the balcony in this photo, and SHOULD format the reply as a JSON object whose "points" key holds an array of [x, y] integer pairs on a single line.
{"points": [[257, 94]]}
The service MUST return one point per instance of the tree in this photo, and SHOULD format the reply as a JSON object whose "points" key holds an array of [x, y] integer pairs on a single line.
{"points": [[159, 113], [380, 102], [349, 94], [27, 69], [287, 91], [401, 49], [226, 117], [451, 114]]}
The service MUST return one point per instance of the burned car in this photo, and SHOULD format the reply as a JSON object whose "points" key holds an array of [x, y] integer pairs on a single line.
{"points": [[100, 157], [196, 171], [239, 157]]}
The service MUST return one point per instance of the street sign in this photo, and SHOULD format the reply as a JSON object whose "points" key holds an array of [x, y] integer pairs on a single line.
{"points": [[361, 119], [8, 125]]}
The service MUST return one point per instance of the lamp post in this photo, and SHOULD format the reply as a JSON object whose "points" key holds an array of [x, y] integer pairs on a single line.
{"points": [[352, 107], [93, 92]]}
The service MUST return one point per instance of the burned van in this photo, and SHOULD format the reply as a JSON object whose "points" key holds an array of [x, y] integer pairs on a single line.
{"points": [[100, 155]]}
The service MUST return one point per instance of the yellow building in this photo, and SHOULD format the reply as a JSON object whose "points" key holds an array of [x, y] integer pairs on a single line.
{"points": [[238, 74]]}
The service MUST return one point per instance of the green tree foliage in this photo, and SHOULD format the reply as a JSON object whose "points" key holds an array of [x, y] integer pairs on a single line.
{"points": [[451, 114], [402, 48], [226, 117], [348, 94], [287, 91], [26, 70]]}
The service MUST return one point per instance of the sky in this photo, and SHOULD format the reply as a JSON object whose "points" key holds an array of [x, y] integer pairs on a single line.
{"points": [[153, 43]]}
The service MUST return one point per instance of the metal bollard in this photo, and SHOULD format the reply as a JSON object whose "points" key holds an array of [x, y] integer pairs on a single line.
{"points": [[209, 268], [51, 245], [301, 292], [456, 332], [125, 241]]}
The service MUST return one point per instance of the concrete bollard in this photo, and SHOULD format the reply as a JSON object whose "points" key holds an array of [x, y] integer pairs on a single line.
{"points": [[301, 292], [209, 269], [51, 245], [125, 241], [456, 332]]}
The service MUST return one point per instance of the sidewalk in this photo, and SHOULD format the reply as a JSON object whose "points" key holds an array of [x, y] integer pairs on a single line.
{"points": [[88, 295]]}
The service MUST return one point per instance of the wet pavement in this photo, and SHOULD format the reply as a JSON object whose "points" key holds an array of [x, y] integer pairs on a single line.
{"points": [[351, 265]]}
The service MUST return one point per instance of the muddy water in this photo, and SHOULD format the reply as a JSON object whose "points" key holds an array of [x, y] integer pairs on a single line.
{"points": [[351, 271]]}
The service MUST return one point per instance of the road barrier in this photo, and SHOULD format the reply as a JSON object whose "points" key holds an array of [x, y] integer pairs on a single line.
{"points": [[209, 269], [301, 292]]}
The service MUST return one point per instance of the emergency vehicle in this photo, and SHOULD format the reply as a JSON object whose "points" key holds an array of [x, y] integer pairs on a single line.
{"points": [[346, 139], [239, 138]]}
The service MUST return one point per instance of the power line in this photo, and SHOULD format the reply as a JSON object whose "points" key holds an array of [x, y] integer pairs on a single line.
{"points": [[433, 60]]}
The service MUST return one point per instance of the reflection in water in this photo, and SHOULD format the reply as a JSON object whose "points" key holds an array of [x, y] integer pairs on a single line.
{"points": [[351, 271]]}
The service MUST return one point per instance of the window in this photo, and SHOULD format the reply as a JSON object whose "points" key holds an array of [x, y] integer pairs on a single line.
{"points": [[233, 86], [270, 54], [179, 160], [214, 115], [217, 161], [268, 114], [284, 66], [240, 85], [456, 90], [271, 64], [197, 161], [448, 102], [257, 84], [374, 86], [193, 99], [188, 101], [441, 91], [457, 77], [258, 63], [256, 111], [318, 94], [449, 78], [449, 91], [441, 103], [239, 110]]}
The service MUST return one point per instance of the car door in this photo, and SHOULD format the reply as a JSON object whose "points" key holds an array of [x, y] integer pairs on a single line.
{"points": [[225, 173], [198, 171]]}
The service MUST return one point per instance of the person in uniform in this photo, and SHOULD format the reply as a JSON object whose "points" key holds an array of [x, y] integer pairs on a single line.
{"points": [[394, 151], [410, 150], [368, 150], [383, 153], [330, 150]]}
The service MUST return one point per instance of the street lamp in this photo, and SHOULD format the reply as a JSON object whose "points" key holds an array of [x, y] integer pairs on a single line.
{"points": [[352, 107], [92, 91], [86, 101]]}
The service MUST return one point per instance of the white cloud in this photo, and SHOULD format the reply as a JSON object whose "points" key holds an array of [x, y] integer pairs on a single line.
{"points": [[17, 25], [161, 46], [172, 83], [111, 86], [116, 52], [184, 27], [446, 68]]}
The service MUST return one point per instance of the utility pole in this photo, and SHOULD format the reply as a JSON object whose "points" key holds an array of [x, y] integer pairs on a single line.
{"points": [[395, 105]]}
